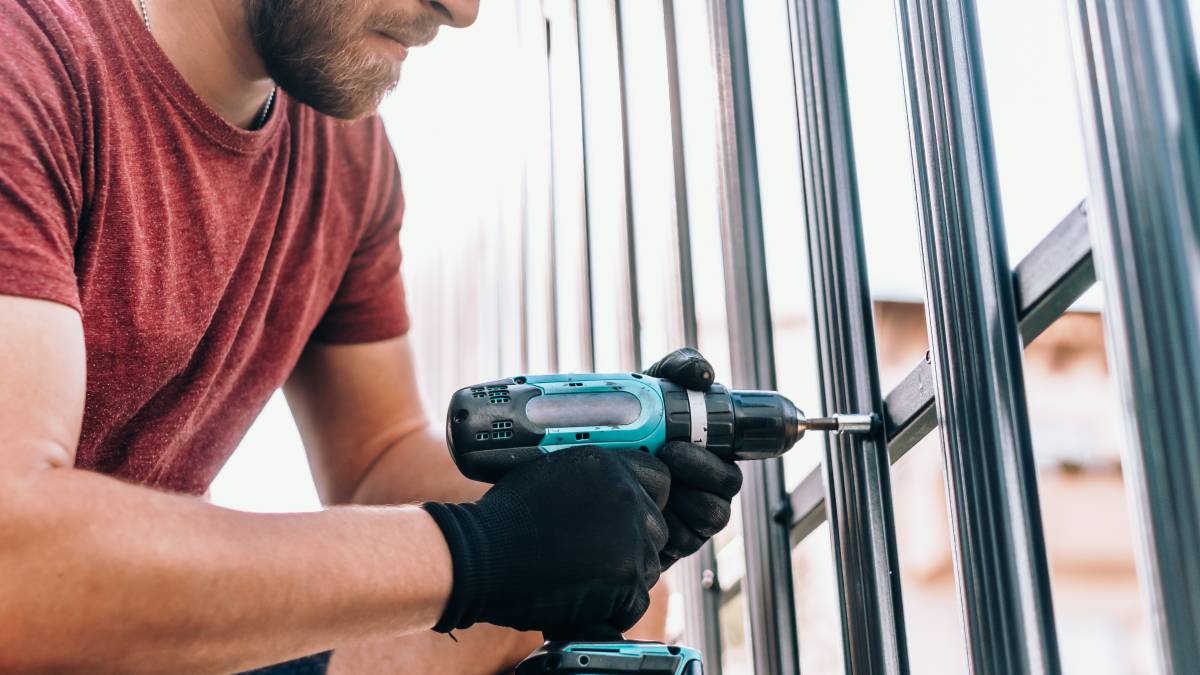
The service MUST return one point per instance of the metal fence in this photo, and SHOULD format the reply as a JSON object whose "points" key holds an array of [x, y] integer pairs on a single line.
{"points": [[623, 281]]}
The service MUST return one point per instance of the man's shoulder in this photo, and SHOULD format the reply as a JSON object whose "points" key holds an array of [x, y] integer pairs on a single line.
{"points": [[61, 23], [53, 37]]}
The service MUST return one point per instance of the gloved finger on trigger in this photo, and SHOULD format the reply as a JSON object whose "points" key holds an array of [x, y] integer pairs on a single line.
{"points": [[704, 512], [653, 570], [651, 473], [685, 367], [700, 468], [631, 610], [656, 528], [682, 542]]}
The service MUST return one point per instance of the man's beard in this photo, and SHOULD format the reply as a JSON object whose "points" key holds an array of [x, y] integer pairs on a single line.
{"points": [[317, 51]]}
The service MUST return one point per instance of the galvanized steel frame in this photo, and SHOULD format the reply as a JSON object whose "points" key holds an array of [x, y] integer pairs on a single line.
{"points": [[768, 580], [585, 262], [991, 477], [635, 319], [1139, 87], [1137, 74], [857, 482], [1045, 283], [698, 573]]}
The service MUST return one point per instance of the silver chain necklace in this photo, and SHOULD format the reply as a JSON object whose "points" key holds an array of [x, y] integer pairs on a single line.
{"points": [[266, 111]]}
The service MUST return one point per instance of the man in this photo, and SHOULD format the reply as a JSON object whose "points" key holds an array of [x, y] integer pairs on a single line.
{"points": [[197, 207]]}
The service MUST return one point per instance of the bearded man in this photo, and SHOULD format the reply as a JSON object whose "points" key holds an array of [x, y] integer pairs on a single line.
{"points": [[197, 207]]}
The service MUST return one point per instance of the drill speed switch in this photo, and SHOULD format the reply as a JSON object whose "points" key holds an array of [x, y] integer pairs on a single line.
{"points": [[494, 426]]}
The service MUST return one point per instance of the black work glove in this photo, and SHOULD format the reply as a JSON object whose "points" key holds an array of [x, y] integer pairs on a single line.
{"points": [[566, 541], [702, 484]]}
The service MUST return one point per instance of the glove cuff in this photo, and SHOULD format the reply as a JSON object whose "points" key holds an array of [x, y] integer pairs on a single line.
{"points": [[489, 546]]}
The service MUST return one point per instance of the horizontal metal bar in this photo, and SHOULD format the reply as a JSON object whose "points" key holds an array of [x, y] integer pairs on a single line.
{"points": [[1046, 282]]}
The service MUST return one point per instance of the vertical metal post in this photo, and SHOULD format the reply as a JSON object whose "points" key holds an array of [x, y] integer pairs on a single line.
{"points": [[701, 606], [698, 572], [682, 219], [1140, 101], [552, 244], [768, 581], [613, 277], [635, 326], [582, 257], [857, 482], [1000, 558]]}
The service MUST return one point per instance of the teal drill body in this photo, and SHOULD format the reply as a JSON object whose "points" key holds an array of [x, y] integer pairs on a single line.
{"points": [[495, 425], [620, 412]]}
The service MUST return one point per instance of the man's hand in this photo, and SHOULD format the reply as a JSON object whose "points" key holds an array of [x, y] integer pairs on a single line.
{"points": [[360, 415], [702, 484], [566, 541]]}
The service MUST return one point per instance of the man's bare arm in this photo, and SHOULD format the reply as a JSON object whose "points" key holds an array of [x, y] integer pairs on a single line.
{"points": [[370, 442], [364, 428], [102, 576]]}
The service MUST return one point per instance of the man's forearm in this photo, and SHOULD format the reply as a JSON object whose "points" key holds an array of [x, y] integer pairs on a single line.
{"points": [[416, 468], [419, 468], [104, 576]]}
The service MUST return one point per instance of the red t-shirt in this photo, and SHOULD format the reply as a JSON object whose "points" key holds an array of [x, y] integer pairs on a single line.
{"points": [[202, 257]]}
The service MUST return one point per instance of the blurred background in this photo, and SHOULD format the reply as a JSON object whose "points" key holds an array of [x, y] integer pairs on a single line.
{"points": [[504, 228]]}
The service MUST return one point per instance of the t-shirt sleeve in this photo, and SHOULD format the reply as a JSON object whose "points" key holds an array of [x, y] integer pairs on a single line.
{"points": [[41, 153], [370, 304]]}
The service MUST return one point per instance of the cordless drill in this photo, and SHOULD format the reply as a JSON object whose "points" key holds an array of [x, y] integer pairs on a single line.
{"points": [[494, 426]]}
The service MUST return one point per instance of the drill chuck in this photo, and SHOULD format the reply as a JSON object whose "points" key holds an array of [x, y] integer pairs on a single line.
{"points": [[765, 425]]}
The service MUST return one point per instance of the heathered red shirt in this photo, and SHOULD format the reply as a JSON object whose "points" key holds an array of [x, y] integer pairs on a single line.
{"points": [[201, 257]]}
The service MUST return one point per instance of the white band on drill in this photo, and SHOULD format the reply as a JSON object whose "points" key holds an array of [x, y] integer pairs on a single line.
{"points": [[699, 415]]}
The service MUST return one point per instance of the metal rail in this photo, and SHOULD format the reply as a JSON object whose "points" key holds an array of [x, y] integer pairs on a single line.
{"points": [[857, 481], [768, 581], [1137, 74], [991, 477], [698, 572], [635, 318], [617, 285], [1140, 90], [585, 237], [1045, 283], [683, 237]]}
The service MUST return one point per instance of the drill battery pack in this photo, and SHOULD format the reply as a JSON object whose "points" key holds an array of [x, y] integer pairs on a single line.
{"points": [[622, 657]]}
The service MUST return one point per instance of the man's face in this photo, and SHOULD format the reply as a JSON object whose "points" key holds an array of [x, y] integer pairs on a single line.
{"points": [[342, 56]]}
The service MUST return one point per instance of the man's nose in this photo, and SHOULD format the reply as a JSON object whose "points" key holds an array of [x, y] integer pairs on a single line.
{"points": [[458, 13]]}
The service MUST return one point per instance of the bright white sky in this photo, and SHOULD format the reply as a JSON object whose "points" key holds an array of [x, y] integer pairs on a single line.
{"points": [[449, 131]]}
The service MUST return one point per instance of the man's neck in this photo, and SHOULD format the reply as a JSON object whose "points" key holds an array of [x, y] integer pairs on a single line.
{"points": [[209, 43]]}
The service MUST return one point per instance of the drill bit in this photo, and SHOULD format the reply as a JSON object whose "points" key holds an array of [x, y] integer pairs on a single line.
{"points": [[841, 423]]}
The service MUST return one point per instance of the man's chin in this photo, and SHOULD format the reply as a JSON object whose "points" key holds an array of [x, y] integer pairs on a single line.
{"points": [[347, 106]]}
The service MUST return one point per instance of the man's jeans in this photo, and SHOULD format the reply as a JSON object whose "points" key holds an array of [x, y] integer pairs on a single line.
{"points": [[309, 665]]}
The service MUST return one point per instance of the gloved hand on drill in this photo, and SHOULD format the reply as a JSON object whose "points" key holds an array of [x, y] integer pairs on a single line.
{"points": [[578, 537], [702, 484]]}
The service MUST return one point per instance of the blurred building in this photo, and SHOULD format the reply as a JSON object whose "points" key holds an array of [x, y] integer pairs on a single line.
{"points": [[1077, 438]]}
